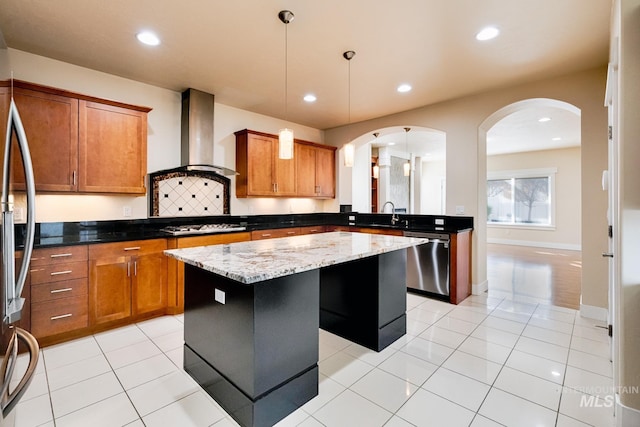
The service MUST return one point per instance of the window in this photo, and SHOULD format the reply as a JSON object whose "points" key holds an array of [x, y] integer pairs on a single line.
{"points": [[523, 198]]}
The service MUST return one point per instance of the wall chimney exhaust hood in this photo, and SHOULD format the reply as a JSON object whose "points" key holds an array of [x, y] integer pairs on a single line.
{"points": [[196, 149]]}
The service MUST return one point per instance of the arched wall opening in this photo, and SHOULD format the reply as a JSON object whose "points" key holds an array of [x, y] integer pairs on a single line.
{"points": [[553, 235], [388, 148]]}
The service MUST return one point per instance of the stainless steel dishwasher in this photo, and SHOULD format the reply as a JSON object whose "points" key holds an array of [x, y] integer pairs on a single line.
{"points": [[428, 264]]}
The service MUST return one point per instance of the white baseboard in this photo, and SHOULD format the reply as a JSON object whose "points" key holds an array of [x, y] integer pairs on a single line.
{"points": [[593, 312], [625, 416], [479, 288], [547, 245]]}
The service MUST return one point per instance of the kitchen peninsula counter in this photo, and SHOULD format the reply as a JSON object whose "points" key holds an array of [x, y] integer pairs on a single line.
{"points": [[253, 309]]}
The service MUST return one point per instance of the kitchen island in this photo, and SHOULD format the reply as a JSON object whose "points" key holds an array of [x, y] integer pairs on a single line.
{"points": [[253, 309]]}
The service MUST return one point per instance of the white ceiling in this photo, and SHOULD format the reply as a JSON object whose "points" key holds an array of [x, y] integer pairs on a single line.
{"points": [[235, 49]]}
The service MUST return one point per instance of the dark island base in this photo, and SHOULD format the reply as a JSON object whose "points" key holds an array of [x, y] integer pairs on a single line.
{"points": [[255, 349], [365, 300], [264, 411]]}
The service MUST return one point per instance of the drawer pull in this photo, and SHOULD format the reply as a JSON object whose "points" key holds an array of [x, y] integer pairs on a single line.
{"points": [[266, 235], [62, 316], [61, 255], [57, 291], [132, 248], [291, 232], [57, 273]]}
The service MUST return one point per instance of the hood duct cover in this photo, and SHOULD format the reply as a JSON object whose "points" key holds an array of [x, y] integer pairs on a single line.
{"points": [[196, 149]]}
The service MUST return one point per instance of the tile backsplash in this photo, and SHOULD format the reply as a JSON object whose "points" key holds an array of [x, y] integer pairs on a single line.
{"points": [[188, 193]]}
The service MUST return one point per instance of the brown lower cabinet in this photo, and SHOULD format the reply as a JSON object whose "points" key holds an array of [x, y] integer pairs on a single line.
{"points": [[127, 279], [78, 290], [59, 289]]}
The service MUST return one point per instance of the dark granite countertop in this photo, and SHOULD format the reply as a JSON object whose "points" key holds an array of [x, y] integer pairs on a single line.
{"points": [[88, 232]]}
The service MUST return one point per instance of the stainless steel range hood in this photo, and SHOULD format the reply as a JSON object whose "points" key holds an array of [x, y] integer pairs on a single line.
{"points": [[196, 152]]}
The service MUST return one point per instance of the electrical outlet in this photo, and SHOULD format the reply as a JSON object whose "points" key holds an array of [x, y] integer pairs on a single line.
{"points": [[220, 296], [126, 211], [459, 210], [18, 214]]}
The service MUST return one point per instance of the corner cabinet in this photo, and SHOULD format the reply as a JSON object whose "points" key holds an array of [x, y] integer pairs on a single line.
{"points": [[80, 143], [316, 167], [127, 279], [311, 172]]}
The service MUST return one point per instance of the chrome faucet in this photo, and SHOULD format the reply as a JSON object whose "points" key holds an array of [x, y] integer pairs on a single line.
{"points": [[394, 217]]}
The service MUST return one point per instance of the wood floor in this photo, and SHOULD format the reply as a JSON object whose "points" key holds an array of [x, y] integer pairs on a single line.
{"points": [[533, 274]]}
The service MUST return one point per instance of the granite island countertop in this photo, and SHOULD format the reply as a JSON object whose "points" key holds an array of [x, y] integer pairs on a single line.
{"points": [[254, 261]]}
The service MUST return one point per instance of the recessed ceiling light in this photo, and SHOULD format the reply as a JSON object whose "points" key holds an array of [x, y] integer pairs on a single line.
{"points": [[404, 88], [148, 38], [392, 143], [487, 33], [544, 119], [310, 97], [557, 138]]}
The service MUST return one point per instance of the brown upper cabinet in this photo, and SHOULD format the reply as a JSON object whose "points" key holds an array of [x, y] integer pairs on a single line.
{"points": [[262, 172], [311, 172], [79, 143], [315, 166]]}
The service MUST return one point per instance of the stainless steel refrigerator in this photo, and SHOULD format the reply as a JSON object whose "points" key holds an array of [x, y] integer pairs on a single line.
{"points": [[14, 376]]}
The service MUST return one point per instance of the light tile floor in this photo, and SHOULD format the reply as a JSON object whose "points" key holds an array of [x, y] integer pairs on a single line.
{"points": [[490, 361]]}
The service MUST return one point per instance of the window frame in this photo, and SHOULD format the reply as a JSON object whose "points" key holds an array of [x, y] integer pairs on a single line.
{"points": [[549, 173]]}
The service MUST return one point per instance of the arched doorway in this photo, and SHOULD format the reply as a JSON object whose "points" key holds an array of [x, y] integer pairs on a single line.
{"points": [[533, 187]]}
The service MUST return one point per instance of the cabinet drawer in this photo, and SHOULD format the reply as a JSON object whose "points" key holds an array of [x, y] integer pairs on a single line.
{"points": [[277, 232], [215, 239], [61, 315], [58, 255], [58, 272], [313, 230], [131, 248], [57, 290]]}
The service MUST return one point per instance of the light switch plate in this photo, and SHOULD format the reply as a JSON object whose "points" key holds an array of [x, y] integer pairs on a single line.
{"points": [[220, 296], [459, 210]]}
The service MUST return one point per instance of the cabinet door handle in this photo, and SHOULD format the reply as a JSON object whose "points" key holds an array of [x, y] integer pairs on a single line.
{"points": [[132, 248], [128, 269], [61, 255], [73, 178], [62, 316], [57, 291], [135, 268], [57, 273]]}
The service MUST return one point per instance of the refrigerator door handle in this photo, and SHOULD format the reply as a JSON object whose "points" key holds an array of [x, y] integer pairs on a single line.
{"points": [[8, 364], [8, 400], [15, 124]]}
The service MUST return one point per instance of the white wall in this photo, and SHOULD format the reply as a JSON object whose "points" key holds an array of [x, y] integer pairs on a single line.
{"points": [[433, 174], [568, 219], [163, 143]]}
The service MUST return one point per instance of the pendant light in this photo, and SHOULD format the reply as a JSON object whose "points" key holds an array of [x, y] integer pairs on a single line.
{"points": [[285, 136], [407, 166], [376, 168], [349, 149]]}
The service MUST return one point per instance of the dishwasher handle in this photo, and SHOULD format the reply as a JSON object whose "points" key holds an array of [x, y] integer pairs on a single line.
{"points": [[429, 236]]}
